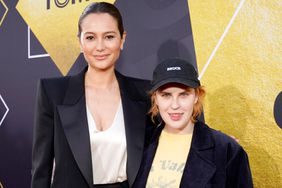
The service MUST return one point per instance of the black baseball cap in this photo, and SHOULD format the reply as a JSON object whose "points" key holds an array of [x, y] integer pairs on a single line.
{"points": [[175, 70]]}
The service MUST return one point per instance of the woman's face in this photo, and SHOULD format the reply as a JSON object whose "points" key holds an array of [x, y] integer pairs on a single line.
{"points": [[175, 104], [100, 41]]}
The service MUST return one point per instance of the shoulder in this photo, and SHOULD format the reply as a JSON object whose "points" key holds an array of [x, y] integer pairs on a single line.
{"points": [[55, 82], [224, 151], [53, 85], [222, 141], [142, 86], [136, 88], [54, 89], [140, 82], [62, 82]]}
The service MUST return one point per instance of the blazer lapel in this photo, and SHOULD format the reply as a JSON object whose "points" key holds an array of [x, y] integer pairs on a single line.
{"points": [[134, 111], [199, 168], [74, 121]]}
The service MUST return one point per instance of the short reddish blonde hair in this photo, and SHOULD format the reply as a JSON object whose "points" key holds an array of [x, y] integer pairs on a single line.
{"points": [[197, 110]]}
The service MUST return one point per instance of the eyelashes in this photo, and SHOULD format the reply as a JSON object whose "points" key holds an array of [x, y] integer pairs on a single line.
{"points": [[92, 37], [167, 95]]}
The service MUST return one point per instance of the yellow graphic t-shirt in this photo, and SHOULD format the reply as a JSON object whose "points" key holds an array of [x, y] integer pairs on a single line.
{"points": [[169, 161]]}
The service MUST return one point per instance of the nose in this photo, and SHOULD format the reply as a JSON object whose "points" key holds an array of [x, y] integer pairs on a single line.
{"points": [[100, 46], [174, 104]]}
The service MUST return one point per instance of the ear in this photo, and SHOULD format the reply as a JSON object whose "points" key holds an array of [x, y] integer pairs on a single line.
{"points": [[80, 44], [123, 40], [196, 98], [81, 48]]}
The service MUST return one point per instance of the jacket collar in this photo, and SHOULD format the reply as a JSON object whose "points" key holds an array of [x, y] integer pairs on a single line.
{"points": [[134, 106], [74, 121], [202, 138], [199, 168]]}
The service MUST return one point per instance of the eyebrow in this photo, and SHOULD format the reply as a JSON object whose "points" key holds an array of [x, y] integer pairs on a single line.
{"points": [[184, 91], [162, 91], [108, 32]]}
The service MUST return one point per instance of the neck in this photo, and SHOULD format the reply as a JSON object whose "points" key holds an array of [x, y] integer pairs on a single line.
{"points": [[188, 129], [100, 79]]}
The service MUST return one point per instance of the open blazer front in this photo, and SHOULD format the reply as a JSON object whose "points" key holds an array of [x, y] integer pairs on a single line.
{"points": [[61, 131], [215, 160]]}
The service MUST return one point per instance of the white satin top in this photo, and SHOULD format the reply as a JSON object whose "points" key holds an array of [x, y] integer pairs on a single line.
{"points": [[108, 150]]}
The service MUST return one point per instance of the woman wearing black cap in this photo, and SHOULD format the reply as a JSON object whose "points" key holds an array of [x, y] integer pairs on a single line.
{"points": [[183, 151]]}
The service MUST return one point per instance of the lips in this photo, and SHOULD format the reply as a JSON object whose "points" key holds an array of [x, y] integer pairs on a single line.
{"points": [[175, 116], [101, 57]]}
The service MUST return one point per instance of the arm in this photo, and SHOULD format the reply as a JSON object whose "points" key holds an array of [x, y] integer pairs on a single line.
{"points": [[42, 151], [238, 170]]}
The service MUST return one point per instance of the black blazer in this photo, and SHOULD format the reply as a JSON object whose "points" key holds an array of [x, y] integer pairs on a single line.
{"points": [[215, 160], [61, 131]]}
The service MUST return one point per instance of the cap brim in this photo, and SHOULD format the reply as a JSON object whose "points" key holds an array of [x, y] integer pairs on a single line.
{"points": [[189, 83]]}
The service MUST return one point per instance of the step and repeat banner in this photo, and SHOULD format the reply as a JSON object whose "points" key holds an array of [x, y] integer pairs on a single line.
{"points": [[236, 46]]}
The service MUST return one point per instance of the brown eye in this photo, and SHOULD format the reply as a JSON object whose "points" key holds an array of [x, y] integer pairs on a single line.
{"points": [[165, 95], [109, 37], [184, 94], [89, 37]]}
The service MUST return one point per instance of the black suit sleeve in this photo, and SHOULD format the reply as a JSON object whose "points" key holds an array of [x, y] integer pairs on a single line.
{"points": [[42, 151], [238, 170]]}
